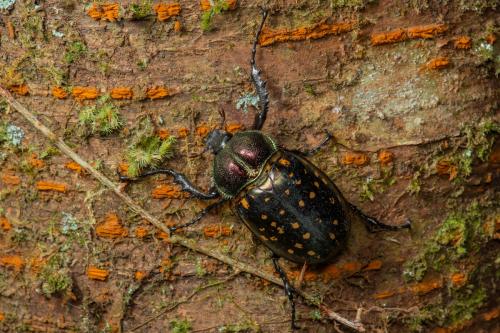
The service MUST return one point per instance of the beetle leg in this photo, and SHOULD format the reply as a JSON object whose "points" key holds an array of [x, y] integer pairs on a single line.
{"points": [[289, 289], [373, 225], [179, 179], [260, 85], [199, 216]]}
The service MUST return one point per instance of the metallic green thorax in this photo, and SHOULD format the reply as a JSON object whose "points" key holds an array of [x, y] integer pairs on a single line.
{"points": [[241, 161]]}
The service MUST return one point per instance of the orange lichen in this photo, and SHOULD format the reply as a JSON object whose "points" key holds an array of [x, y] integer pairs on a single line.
{"points": [[493, 314], [141, 232], [445, 167], [373, 265], [85, 93], [385, 157], [166, 10], [139, 275], [351, 267], [358, 159], [35, 162], [109, 12], [111, 227], [463, 42], [11, 179], [384, 294], [426, 31], [393, 36], [20, 89], [402, 34], [51, 186], [205, 5], [315, 31], [74, 166], [217, 230], [491, 39], [14, 262], [123, 167], [5, 224], [426, 287], [234, 127], [168, 191], [458, 279], [10, 30], [95, 273], [36, 264], [122, 93], [437, 63], [308, 275], [165, 265], [157, 92], [162, 235], [182, 132], [177, 26], [59, 92], [2, 316], [163, 133], [202, 130]]}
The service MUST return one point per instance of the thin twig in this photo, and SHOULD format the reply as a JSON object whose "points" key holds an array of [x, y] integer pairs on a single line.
{"points": [[174, 239]]}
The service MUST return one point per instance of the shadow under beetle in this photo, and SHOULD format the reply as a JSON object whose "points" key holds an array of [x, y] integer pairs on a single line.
{"points": [[285, 200]]}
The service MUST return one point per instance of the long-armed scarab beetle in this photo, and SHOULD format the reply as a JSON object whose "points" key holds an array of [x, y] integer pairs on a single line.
{"points": [[285, 200]]}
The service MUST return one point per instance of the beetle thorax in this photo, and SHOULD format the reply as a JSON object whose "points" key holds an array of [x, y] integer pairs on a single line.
{"points": [[240, 161]]}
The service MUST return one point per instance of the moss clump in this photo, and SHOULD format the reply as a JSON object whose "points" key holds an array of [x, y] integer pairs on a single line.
{"points": [[102, 118], [462, 233], [180, 326], [207, 17], [55, 277], [141, 10], [147, 150], [74, 51], [354, 4]]}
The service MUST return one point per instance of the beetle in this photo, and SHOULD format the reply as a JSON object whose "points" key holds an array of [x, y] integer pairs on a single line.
{"points": [[287, 202]]}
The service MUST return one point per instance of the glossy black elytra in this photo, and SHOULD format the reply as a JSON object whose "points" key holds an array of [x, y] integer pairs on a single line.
{"points": [[285, 200]]}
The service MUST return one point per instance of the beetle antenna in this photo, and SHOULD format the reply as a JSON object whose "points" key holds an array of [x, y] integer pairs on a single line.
{"points": [[254, 47]]}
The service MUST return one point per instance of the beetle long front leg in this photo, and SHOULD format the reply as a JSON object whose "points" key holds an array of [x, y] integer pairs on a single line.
{"points": [[181, 180], [289, 290], [199, 216], [373, 225], [260, 85]]}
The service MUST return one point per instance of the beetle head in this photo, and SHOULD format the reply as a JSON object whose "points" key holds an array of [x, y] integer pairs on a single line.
{"points": [[216, 140]]}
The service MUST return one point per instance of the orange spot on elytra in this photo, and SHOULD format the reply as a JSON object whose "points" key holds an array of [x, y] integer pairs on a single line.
{"points": [[319, 30], [245, 203], [402, 34], [111, 227], [166, 10], [284, 162], [85, 93], [51, 186], [98, 274], [122, 93], [59, 92]]}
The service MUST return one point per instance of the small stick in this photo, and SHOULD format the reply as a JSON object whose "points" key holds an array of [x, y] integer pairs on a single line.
{"points": [[174, 239]]}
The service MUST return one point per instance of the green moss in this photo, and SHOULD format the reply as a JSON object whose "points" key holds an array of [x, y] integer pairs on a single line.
{"points": [[141, 10], [478, 5], [354, 4], [207, 17], [74, 51], [461, 234], [180, 326], [371, 186], [55, 276], [102, 118], [147, 150]]}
